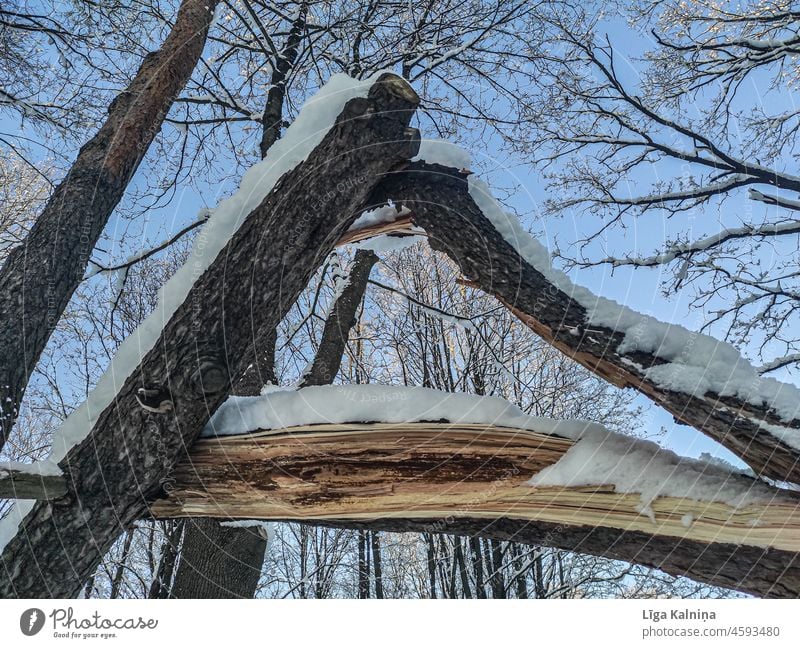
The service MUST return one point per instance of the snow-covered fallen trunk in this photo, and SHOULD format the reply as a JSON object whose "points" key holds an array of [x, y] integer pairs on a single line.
{"points": [[378, 453], [599, 457], [703, 382], [255, 255]]}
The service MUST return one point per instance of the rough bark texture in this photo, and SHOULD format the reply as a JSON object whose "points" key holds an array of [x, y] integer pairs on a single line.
{"points": [[768, 573], [126, 459], [40, 276], [219, 562], [339, 322], [441, 204]]}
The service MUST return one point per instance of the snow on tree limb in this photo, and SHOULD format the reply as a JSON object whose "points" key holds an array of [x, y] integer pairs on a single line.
{"points": [[371, 452], [115, 453], [41, 480], [703, 382]]}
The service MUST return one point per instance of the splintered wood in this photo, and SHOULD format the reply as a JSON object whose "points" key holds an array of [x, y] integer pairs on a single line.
{"points": [[431, 471]]}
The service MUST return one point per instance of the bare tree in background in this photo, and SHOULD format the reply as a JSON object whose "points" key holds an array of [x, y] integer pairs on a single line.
{"points": [[689, 127]]}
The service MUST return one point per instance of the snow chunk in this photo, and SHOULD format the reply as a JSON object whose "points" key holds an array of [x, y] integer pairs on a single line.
{"points": [[438, 151], [637, 466], [377, 403], [386, 214]]}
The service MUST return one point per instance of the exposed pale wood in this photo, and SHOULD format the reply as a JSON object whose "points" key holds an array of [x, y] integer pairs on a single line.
{"points": [[432, 471], [17, 484], [400, 227]]}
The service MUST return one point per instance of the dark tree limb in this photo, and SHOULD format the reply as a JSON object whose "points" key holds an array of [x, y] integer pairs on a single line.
{"points": [[339, 322], [439, 199], [126, 459], [18, 484], [39, 277]]}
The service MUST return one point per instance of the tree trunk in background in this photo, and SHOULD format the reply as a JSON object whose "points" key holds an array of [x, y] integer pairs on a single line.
{"points": [[376, 562], [39, 277], [498, 587], [162, 583], [519, 580], [477, 564], [429, 541], [203, 574], [363, 574], [119, 572], [341, 319], [462, 568], [273, 113]]}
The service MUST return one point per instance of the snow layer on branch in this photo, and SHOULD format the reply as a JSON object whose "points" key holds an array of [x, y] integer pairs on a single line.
{"points": [[697, 363], [44, 468], [599, 456], [315, 119], [377, 404], [378, 216]]}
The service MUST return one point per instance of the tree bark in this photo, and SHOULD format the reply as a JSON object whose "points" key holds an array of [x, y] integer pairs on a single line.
{"points": [[439, 199], [377, 566], [231, 568], [341, 319], [119, 572], [39, 277], [124, 461], [273, 113], [161, 586], [324, 369]]}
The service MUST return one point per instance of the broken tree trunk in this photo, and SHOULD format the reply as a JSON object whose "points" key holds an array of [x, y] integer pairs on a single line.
{"points": [[129, 453], [441, 204], [39, 277], [467, 478], [225, 562]]}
